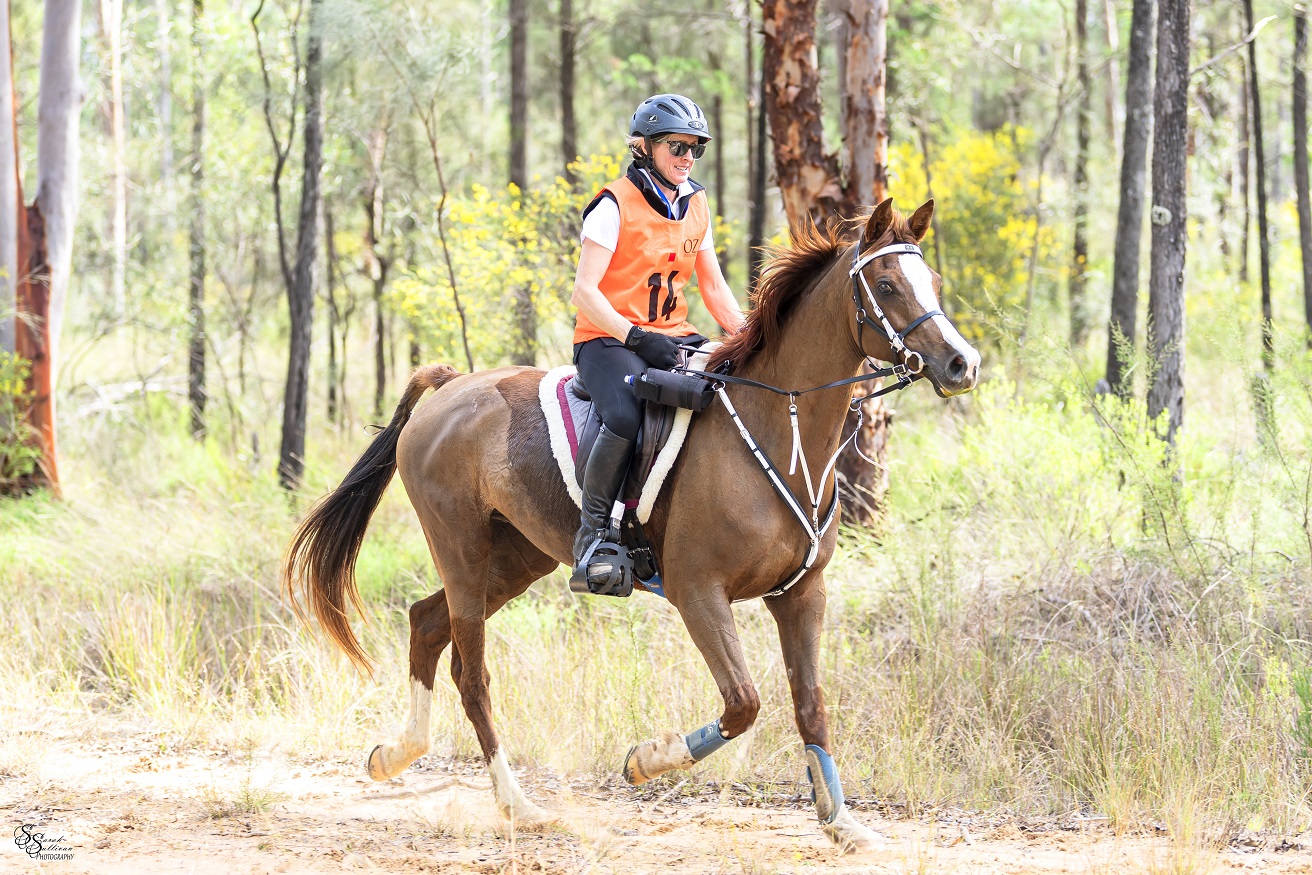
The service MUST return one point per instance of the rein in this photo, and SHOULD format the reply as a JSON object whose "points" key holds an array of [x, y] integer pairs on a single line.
{"points": [[906, 375]]}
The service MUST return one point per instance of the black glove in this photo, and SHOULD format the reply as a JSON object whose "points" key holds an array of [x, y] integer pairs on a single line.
{"points": [[656, 350]]}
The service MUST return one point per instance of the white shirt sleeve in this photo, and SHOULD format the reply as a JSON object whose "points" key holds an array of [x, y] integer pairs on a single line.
{"points": [[602, 225], [709, 241]]}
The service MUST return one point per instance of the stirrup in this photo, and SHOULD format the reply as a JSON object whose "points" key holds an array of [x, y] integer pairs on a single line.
{"points": [[614, 574]]}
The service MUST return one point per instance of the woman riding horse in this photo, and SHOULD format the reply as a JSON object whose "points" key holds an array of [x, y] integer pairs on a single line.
{"points": [[643, 236], [477, 462]]}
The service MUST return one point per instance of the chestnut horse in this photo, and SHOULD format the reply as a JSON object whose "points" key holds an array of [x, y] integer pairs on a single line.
{"points": [[477, 464]]}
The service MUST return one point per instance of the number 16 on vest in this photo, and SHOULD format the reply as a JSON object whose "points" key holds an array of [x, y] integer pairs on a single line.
{"points": [[671, 300]]}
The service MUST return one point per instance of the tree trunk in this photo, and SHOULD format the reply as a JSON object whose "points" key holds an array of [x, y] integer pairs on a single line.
{"points": [[1113, 83], [59, 106], [865, 129], [1129, 218], [11, 199], [375, 263], [717, 119], [864, 487], [1301, 159], [1166, 283], [196, 208], [568, 128], [330, 298], [111, 22], [756, 167], [1244, 162], [45, 242], [807, 177], [1080, 244], [291, 454], [35, 343], [1263, 237], [524, 346]]}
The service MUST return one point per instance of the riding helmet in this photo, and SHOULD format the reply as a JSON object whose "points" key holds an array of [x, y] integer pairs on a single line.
{"points": [[669, 114]]}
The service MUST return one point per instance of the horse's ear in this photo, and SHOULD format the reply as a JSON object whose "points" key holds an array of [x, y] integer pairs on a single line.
{"points": [[879, 222], [920, 220]]}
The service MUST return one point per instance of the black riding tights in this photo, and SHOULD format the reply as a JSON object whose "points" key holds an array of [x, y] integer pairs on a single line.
{"points": [[603, 364]]}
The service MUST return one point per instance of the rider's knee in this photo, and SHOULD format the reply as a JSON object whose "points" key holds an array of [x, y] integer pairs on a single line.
{"points": [[625, 422]]}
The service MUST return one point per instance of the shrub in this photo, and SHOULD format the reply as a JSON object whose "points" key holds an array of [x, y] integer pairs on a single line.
{"points": [[19, 451]]}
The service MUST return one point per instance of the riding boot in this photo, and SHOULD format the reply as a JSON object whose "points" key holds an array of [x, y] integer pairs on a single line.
{"points": [[595, 545]]}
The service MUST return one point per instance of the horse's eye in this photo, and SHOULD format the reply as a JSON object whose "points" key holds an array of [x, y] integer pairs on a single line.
{"points": [[885, 287]]}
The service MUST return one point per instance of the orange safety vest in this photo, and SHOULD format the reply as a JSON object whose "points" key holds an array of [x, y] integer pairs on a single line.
{"points": [[651, 265]]}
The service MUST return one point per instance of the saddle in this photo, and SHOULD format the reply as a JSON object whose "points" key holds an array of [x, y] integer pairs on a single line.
{"points": [[573, 424]]}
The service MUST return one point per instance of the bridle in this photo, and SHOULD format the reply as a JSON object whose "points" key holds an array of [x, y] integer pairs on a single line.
{"points": [[903, 371], [883, 326]]}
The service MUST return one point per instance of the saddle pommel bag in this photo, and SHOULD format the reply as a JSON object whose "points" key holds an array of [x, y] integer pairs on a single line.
{"points": [[673, 390]]}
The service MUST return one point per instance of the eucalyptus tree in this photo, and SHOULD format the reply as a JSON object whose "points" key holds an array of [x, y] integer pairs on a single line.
{"points": [[1301, 160], [1169, 234], [1259, 163], [196, 393], [1129, 217]]}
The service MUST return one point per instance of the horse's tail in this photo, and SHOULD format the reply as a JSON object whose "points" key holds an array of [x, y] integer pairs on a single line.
{"points": [[322, 553]]}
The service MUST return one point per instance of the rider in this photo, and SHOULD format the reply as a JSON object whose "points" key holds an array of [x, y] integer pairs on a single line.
{"points": [[643, 236]]}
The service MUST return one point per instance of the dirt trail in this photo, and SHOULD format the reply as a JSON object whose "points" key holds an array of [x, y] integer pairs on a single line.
{"points": [[122, 807]]}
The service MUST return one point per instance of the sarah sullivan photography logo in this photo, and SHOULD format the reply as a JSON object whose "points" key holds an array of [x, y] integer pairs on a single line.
{"points": [[40, 846]]}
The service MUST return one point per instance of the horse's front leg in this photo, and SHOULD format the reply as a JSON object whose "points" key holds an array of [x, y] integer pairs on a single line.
{"points": [[710, 623], [800, 614]]}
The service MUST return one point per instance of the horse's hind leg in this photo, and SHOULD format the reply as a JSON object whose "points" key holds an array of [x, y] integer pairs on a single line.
{"points": [[479, 579], [430, 632], [513, 565]]}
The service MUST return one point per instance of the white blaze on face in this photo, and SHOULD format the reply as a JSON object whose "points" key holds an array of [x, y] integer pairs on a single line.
{"points": [[922, 283]]}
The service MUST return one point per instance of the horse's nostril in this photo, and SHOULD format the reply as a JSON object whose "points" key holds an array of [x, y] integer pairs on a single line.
{"points": [[957, 368]]}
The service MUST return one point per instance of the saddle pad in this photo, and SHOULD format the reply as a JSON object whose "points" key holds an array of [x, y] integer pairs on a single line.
{"points": [[565, 415]]}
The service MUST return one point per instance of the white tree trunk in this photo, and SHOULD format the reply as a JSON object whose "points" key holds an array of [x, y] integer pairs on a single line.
{"points": [[58, 107], [9, 203]]}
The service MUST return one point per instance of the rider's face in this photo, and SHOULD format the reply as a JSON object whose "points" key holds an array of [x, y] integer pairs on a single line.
{"points": [[676, 170]]}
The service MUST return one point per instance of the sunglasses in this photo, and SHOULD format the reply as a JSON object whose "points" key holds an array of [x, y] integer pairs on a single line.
{"points": [[678, 148]]}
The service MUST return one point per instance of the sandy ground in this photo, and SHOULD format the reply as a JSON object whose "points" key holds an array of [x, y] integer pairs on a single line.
{"points": [[122, 806]]}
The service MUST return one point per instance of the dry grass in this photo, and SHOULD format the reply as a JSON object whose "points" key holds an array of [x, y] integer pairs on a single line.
{"points": [[1052, 623]]}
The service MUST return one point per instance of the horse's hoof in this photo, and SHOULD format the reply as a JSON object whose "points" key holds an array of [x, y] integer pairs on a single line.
{"points": [[851, 836], [375, 771], [656, 756], [527, 815], [631, 773]]}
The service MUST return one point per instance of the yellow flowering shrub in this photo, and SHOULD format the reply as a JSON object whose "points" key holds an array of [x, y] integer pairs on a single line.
{"points": [[985, 220], [500, 242]]}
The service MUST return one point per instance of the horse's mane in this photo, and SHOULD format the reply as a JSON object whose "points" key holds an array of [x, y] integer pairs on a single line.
{"points": [[790, 273]]}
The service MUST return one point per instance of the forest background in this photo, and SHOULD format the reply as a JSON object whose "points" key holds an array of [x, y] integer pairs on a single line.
{"points": [[1073, 599]]}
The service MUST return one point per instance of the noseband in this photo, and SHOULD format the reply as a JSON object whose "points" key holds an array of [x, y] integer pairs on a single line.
{"points": [[883, 327]]}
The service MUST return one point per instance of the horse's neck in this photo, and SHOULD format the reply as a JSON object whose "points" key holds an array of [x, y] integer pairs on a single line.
{"points": [[815, 347]]}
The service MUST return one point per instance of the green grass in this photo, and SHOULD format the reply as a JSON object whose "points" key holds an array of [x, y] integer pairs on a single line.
{"points": [[1057, 617]]}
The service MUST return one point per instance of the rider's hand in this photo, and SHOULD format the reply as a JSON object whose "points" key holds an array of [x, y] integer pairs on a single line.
{"points": [[656, 349]]}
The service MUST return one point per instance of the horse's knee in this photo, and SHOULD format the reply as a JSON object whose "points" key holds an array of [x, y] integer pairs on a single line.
{"points": [[741, 705]]}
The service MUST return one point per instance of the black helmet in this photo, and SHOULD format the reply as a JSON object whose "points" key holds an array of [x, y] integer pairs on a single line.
{"points": [[669, 114]]}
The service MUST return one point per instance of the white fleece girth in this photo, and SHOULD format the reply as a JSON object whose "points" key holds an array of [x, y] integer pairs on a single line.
{"points": [[665, 459]]}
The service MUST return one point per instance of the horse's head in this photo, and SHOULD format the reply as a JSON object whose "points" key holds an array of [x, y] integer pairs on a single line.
{"points": [[896, 294]]}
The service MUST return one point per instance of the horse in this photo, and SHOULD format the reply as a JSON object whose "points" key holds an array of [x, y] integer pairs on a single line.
{"points": [[476, 462]]}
